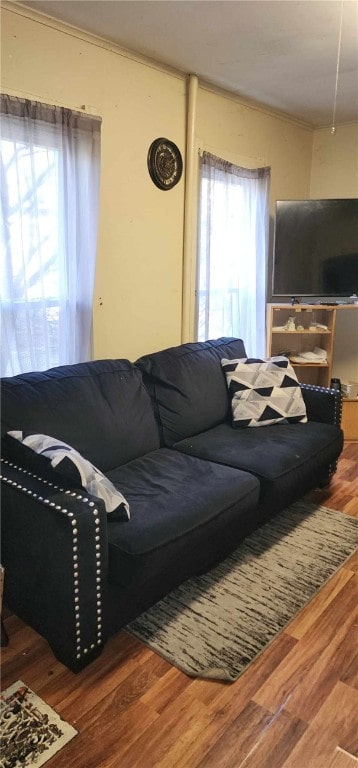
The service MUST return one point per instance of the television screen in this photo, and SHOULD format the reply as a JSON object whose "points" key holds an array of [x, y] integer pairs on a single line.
{"points": [[316, 248]]}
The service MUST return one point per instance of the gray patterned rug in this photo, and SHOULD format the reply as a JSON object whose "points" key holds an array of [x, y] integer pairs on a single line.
{"points": [[214, 625]]}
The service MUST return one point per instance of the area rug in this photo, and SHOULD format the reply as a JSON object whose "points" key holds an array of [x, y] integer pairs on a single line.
{"points": [[31, 732], [216, 624]]}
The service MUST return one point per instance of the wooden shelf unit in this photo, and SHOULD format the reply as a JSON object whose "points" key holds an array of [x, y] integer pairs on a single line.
{"points": [[291, 342], [305, 338]]}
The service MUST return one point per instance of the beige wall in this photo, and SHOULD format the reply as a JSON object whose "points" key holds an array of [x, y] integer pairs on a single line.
{"points": [[335, 174], [251, 136], [335, 162], [345, 354], [247, 134], [137, 304], [138, 290]]}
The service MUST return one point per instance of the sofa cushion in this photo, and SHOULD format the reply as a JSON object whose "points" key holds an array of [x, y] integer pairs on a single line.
{"points": [[288, 459], [263, 392], [101, 408], [188, 386], [175, 500], [73, 467]]}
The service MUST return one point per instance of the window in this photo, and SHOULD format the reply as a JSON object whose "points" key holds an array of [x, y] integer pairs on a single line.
{"points": [[50, 160], [232, 252]]}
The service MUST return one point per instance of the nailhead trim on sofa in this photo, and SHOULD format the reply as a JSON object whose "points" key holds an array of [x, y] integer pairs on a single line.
{"points": [[336, 398], [98, 640]]}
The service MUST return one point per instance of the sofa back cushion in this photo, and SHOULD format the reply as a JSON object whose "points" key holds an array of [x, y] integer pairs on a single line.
{"points": [[188, 386], [101, 408]]}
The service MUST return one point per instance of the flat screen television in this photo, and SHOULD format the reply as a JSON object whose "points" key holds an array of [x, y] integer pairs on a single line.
{"points": [[315, 249]]}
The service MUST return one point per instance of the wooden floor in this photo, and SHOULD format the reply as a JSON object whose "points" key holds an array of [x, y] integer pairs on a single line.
{"points": [[295, 707]]}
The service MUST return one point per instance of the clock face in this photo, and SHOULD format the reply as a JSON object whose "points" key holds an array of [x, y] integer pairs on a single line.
{"points": [[165, 163]]}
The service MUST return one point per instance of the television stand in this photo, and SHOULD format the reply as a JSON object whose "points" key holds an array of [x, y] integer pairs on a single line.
{"points": [[350, 418]]}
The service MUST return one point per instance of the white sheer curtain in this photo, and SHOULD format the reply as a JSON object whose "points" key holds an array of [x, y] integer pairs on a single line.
{"points": [[232, 248], [50, 165]]}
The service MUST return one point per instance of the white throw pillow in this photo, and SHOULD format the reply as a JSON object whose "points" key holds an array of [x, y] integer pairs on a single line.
{"points": [[71, 464], [263, 392]]}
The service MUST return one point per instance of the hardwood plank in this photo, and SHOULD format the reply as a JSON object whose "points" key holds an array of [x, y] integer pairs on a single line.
{"points": [[120, 686], [352, 563], [316, 663], [183, 748], [309, 615], [163, 691], [350, 674], [156, 741], [336, 721], [239, 738], [100, 744], [225, 701], [275, 743], [187, 751], [352, 507], [29, 659], [121, 656], [349, 741], [341, 759]]}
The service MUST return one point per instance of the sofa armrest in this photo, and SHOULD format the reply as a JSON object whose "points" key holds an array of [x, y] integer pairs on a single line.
{"points": [[322, 404], [55, 554]]}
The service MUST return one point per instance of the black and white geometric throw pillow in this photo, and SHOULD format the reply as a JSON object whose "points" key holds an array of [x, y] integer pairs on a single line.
{"points": [[72, 465], [263, 392]]}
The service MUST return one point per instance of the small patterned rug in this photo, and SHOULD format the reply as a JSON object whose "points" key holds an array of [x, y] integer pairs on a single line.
{"points": [[31, 732], [215, 625]]}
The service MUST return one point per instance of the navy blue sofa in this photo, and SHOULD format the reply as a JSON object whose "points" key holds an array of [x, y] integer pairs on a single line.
{"points": [[160, 430]]}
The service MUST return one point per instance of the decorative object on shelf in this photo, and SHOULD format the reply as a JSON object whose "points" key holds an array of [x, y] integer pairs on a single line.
{"points": [[318, 357], [165, 164], [350, 389], [318, 327], [336, 384], [290, 325]]}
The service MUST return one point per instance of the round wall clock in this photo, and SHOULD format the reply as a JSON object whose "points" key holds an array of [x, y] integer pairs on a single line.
{"points": [[165, 163]]}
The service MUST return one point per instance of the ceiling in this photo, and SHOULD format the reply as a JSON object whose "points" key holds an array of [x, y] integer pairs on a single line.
{"points": [[282, 53]]}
